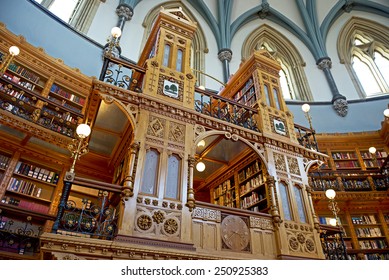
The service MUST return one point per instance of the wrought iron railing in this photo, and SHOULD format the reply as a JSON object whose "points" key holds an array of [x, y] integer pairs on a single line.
{"points": [[306, 137], [225, 109], [122, 73], [21, 237], [92, 216], [333, 245]]}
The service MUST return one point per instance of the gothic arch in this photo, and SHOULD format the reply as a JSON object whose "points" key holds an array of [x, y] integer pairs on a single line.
{"points": [[284, 51], [378, 38], [199, 43]]}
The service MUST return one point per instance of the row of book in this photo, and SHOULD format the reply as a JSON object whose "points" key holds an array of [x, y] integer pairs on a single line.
{"points": [[356, 184], [222, 188], [226, 199], [66, 116], [241, 92], [29, 205], [248, 171], [379, 154], [53, 125], [251, 185], [63, 103], [377, 256], [249, 201], [322, 184], [58, 90], [344, 155], [4, 160], [368, 232], [364, 220], [386, 217], [24, 187], [24, 72], [14, 93], [36, 172], [372, 244], [373, 163], [347, 164]]}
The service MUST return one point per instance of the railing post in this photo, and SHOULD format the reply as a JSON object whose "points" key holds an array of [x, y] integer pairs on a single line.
{"points": [[68, 181]]}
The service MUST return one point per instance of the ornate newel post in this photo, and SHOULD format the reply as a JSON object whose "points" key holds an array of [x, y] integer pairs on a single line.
{"points": [[339, 102], [315, 219], [128, 184], [191, 202], [274, 212], [225, 56]]}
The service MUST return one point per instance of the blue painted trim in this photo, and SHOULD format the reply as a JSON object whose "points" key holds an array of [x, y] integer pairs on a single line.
{"points": [[131, 3], [202, 8], [312, 11]]}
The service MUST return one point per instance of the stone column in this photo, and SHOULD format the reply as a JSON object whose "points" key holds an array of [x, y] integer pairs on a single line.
{"points": [[339, 102], [125, 13], [225, 56]]}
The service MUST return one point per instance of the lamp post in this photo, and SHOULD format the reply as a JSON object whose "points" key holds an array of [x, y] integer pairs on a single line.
{"points": [[333, 206], [305, 108], [78, 147], [113, 48], [13, 51]]}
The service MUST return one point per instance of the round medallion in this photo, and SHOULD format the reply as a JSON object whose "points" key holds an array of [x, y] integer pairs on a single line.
{"points": [[235, 233]]}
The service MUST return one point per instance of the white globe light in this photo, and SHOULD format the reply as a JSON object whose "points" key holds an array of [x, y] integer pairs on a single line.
{"points": [[116, 32], [200, 166], [386, 113], [201, 87], [372, 150], [333, 222], [83, 130], [201, 143], [330, 194], [305, 107], [14, 50]]}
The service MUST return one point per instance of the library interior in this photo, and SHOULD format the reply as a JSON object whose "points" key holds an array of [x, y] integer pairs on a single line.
{"points": [[194, 130]]}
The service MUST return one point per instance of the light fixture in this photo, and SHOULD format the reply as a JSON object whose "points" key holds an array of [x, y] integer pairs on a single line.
{"points": [[201, 87], [113, 48], [330, 194], [305, 108], [386, 113], [372, 150], [201, 143], [13, 51], [78, 147], [333, 222], [200, 166]]}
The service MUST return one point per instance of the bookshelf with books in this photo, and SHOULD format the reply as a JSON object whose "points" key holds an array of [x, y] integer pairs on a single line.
{"points": [[247, 94], [252, 188], [373, 161], [345, 160], [31, 187], [53, 99], [224, 194], [344, 228]]}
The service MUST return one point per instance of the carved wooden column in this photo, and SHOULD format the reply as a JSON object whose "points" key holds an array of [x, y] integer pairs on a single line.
{"points": [[191, 199], [274, 211], [128, 184], [315, 219]]}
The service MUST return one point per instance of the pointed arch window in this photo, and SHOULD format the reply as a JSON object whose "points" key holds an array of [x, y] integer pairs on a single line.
{"points": [[166, 55], [300, 204], [363, 47], [180, 55], [284, 194], [173, 177], [150, 172]]}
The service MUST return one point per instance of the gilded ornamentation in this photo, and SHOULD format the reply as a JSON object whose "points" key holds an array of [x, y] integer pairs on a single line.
{"points": [[280, 162], [293, 166], [155, 202], [147, 201], [170, 226], [301, 238], [158, 217], [164, 204], [144, 222], [177, 133]]}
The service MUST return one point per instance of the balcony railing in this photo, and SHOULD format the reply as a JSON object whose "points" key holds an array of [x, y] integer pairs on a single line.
{"points": [[225, 109], [306, 137], [332, 242], [92, 215]]}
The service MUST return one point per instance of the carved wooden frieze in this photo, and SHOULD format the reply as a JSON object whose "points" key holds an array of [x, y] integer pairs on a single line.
{"points": [[279, 161], [206, 214], [176, 133], [261, 223], [293, 165], [156, 127]]}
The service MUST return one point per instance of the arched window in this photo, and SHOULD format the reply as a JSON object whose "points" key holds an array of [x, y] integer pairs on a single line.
{"points": [[150, 172], [173, 177], [284, 193], [166, 55], [77, 13], [179, 60], [363, 46], [294, 84], [266, 88], [300, 204]]}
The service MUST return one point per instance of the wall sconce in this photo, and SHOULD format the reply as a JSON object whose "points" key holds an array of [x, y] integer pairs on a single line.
{"points": [[13, 51], [200, 166], [113, 48], [78, 147]]}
